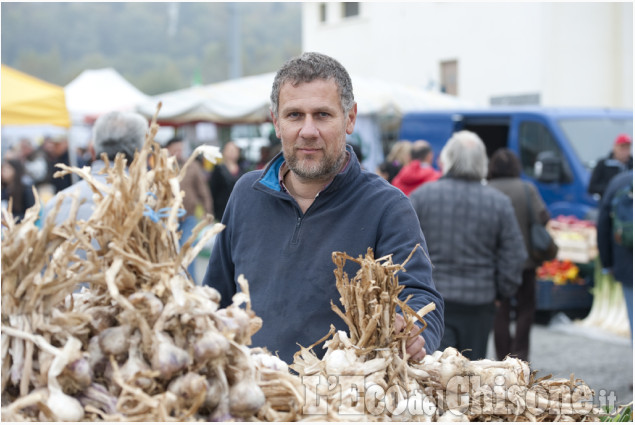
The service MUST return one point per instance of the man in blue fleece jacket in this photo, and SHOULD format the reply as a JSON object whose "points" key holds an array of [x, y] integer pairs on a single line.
{"points": [[284, 222]]}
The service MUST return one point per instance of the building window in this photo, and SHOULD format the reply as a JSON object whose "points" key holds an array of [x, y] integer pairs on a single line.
{"points": [[449, 80], [322, 12], [350, 9]]}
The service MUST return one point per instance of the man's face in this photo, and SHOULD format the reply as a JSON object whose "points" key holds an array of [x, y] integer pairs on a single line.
{"points": [[622, 152], [313, 128]]}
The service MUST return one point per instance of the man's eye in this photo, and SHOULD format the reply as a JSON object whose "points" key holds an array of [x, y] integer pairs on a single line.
{"points": [[324, 114], [293, 115]]}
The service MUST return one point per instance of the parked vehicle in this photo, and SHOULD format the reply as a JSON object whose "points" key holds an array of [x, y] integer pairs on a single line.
{"points": [[558, 147]]}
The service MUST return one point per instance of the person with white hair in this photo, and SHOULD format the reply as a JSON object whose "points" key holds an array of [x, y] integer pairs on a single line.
{"points": [[114, 132], [475, 245]]}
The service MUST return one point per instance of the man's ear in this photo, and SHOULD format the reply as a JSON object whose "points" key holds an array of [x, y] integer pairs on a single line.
{"points": [[275, 124], [352, 116]]}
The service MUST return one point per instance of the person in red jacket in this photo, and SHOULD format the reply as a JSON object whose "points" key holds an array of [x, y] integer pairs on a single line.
{"points": [[419, 170]]}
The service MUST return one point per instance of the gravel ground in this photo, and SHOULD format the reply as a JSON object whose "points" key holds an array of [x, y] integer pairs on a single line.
{"points": [[602, 360]]}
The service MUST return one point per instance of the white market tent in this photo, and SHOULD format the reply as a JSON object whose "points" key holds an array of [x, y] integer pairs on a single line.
{"points": [[93, 93], [97, 91], [246, 100]]}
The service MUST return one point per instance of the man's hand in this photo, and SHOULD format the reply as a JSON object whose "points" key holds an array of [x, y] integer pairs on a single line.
{"points": [[415, 343]]}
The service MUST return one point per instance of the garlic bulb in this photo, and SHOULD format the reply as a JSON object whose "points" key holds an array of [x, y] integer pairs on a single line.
{"points": [[268, 361], [245, 398], [189, 386], [336, 361], [115, 340], [210, 345], [77, 375], [97, 395], [64, 407], [167, 358], [214, 394], [148, 304], [135, 364]]}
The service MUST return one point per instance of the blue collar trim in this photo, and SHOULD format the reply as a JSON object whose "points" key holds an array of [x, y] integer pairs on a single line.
{"points": [[270, 179]]}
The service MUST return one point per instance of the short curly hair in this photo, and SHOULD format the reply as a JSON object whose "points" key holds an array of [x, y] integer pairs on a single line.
{"points": [[308, 67]]}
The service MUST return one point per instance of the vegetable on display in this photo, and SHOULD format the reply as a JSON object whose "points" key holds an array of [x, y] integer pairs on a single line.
{"points": [[141, 342]]}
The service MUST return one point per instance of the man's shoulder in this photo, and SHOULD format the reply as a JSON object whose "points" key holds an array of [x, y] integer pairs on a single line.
{"points": [[378, 183], [252, 178]]}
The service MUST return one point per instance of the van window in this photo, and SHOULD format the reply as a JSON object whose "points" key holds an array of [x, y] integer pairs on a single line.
{"points": [[592, 138], [535, 138]]}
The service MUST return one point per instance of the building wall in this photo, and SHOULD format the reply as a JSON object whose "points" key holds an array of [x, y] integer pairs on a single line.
{"points": [[558, 54]]}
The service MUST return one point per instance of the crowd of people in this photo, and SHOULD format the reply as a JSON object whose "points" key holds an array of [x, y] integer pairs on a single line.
{"points": [[469, 216], [27, 165], [31, 164]]}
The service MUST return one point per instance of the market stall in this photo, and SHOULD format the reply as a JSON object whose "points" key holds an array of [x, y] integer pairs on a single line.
{"points": [[143, 343], [565, 283], [575, 280], [27, 100], [97, 91]]}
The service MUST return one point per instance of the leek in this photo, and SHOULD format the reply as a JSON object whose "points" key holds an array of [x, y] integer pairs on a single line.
{"points": [[608, 311]]}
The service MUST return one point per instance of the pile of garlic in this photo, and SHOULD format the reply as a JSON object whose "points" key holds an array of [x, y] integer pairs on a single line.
{"points": [[378, 383], [140, 341]]}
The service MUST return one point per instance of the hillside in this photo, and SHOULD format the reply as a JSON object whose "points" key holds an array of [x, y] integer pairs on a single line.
{"points": [[158, 47]]}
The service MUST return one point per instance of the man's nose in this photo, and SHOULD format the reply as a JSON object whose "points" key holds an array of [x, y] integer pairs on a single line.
{"points": [[309, 128]]}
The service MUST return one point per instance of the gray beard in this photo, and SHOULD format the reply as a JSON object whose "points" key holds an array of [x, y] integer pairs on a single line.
{"points": [[325, 169]]}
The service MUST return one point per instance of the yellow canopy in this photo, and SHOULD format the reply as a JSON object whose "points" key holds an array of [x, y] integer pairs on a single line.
{"points": [[27, 100]]}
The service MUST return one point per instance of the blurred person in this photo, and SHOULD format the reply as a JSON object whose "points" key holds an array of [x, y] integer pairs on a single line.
{"points": [[284, 222], [14, 188], [114, 132], [266, 154], [224, 176], [620, 159], [34, 160], [504, 175], [197, 193], [475, 243], [419, 170], [56, 149], [615, 252], [398, 156], [84, 156], [358, 153]]}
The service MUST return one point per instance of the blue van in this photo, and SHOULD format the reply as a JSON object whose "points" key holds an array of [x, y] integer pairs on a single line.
{"points": [[557, 147]]}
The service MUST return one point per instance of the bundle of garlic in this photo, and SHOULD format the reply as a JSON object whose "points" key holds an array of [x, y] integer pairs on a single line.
{"points": [[366, 376], [140, 341]]}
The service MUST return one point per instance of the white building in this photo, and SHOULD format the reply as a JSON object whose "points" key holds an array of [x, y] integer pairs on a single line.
{"points": [[550, 54]]}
